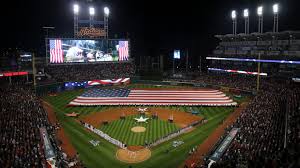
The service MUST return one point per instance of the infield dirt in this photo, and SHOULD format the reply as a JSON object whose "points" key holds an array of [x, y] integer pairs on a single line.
{"points": [[180, 118], [138, 129], [136, 156]]}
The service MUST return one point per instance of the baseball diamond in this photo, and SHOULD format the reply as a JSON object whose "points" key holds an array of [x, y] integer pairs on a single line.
{"points": [[117, 122], [155, 129]]}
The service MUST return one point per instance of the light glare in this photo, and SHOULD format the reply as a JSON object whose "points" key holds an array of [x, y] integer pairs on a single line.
{"points": [[106, 11], [92, 11], [76, 8], [260, 10], [233, 14], [275, 8], [246, 13]]}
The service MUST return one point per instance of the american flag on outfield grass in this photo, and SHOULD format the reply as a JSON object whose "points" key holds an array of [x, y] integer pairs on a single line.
{"points": [[124, 96], [123, 50], [56, 52]]}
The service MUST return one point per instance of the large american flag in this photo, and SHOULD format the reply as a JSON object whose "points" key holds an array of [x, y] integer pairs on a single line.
{"points": [[123, 50], [124, 96], [56, 52]]}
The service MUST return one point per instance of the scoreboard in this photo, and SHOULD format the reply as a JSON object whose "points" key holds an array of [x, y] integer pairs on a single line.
{"points": [[60, 51]]}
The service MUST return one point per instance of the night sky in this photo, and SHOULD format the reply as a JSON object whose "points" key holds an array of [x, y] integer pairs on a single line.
{"points": [[152, 26]]}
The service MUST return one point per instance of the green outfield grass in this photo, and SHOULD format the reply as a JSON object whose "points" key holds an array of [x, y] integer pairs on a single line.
{"points": [[104, 154], [121, 130]]}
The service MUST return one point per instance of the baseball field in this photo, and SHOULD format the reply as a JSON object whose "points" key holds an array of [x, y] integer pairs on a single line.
{"points": [[106, 154], [122, 130]]}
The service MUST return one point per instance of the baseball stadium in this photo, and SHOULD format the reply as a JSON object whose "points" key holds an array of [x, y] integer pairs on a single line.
{"points": [[90, 101], [171, 128]]}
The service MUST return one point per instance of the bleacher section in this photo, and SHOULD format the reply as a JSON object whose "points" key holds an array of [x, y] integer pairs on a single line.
{"points": [[282, 46], [85, 72]]}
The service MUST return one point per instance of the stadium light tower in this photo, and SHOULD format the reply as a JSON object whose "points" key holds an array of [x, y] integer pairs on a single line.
{"points": [[106, 14], [106, 11], [76, 12], [76, 9], [246, 16], [275, 12], [234, 24], [92, 13], [260, 19]]}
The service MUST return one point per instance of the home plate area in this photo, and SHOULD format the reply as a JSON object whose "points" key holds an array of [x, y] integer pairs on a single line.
{"points": [[133, 156]]}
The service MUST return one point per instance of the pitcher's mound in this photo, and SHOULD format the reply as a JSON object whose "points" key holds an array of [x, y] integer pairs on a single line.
{"points": [[138, 129], [128, 156]]}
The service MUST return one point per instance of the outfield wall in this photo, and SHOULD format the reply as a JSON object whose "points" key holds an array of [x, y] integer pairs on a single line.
{"points": [[58, 87]]}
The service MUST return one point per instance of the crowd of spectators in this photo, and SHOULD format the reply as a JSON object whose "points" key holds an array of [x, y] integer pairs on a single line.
{"points": [[20, 140], [265, 138], [21, 117], [83, 72], [261, 140], [243, 82], [237, 81], [293, 129]]}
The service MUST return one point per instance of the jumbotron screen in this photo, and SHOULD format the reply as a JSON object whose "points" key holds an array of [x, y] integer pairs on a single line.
{"points": [[84, 51]]}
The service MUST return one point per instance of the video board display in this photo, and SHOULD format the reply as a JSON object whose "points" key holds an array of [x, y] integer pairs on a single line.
{"points": [[84, 51], [176, 54], [26, 57]]}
